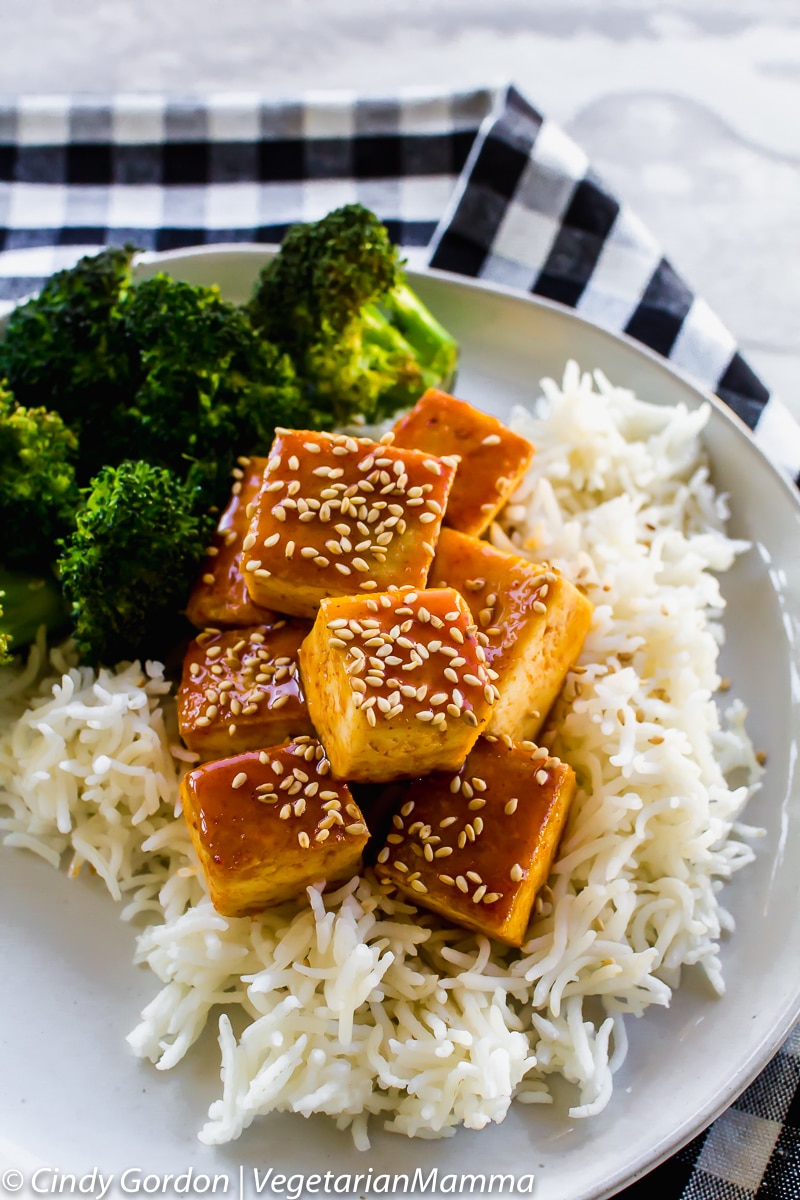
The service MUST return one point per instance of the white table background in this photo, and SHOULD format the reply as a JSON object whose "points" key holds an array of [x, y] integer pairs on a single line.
{"points": [[690, 109]]}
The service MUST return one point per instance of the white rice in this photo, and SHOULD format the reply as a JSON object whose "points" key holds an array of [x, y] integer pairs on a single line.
{"points": [[354, 1006]]}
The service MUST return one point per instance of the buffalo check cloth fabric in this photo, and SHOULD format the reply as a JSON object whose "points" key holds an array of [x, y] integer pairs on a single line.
{"points": [[478, 183]]}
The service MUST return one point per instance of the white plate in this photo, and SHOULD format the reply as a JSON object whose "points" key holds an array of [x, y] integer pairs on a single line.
{"points": [[72, 1095]]}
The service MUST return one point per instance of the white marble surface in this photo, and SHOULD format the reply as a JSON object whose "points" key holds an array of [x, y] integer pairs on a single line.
{"points": [[690, 108]]}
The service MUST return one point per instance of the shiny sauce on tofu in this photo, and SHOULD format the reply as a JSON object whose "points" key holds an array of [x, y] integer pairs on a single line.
{"points": [[426, 649]]}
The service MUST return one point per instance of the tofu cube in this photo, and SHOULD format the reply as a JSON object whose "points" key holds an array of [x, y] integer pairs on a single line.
{"points": [[269, 823], [340, 515], [241, 689], [219, 597], [476, 846], [532, 623], [396, 683], [493, 459]]}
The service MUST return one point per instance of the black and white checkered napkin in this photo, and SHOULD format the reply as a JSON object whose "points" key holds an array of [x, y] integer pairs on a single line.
{"points": [[478, 183]]}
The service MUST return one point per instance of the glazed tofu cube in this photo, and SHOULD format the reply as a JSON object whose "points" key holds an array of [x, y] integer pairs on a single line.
{"points": [[477, 845], [532, 623], [339, 515], [241, 689], [219, 597], [396, 683], [493, 459], [269, 823]]}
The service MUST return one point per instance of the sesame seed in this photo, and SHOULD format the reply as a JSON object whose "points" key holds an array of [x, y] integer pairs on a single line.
{"points": [[511, 806], [448, 880], [478, 894], [322, 835], [462, 884], [477, 803], [491, 439], [239, 780], [539, 607], [418, 885], [383, 856]]}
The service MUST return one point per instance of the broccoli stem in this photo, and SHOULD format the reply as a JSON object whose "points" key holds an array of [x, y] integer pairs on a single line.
{"points": [[434, 347], [26, 603]]}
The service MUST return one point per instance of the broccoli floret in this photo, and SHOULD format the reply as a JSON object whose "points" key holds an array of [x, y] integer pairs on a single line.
{"points": [[127, 568], [207, 387], [65, 350], [26, 603], [38, 491], [336, 300]]}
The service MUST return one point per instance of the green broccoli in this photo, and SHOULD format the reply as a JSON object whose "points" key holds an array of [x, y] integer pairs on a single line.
{"points": [[38, 491], [26, 603], [206, 386], [65, 349], [127, 568], [336, 300]]}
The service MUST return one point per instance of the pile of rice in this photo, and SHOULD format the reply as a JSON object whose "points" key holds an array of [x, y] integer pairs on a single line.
{"points": [[357, 1004]]}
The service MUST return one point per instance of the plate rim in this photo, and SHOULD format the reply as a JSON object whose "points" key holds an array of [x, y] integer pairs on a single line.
{"points": [[757, 1060], [267, 250]]}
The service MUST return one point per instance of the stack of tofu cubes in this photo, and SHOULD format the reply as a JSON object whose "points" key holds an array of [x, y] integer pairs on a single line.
{"points": [[356, 630]]}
